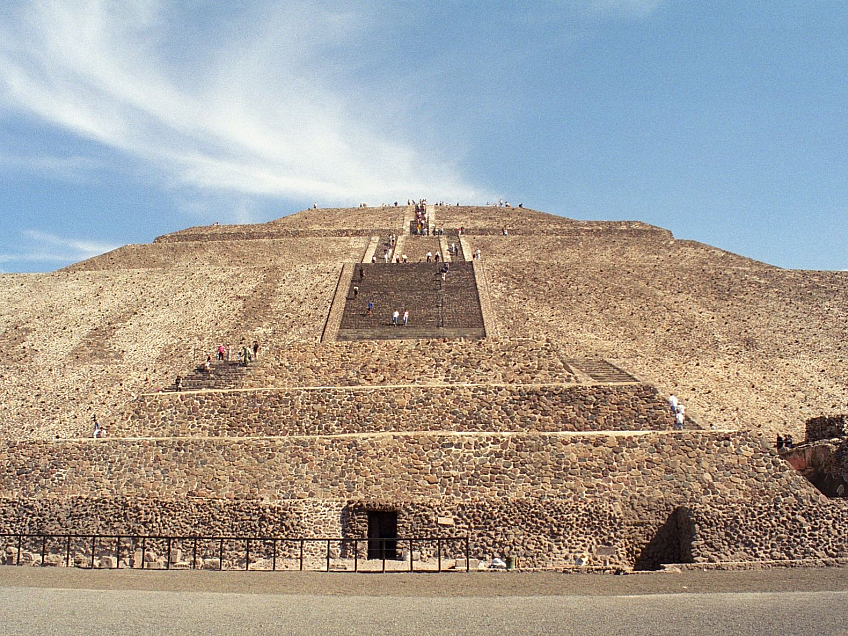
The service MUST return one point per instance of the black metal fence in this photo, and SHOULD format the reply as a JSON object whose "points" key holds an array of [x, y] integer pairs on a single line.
{"points": [[97, 551]]}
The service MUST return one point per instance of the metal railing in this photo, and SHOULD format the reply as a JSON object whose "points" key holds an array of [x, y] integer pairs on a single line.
{"points": [[119, 551]]}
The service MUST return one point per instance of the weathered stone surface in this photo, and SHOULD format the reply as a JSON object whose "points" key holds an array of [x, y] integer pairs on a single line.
{"points": [[538, 465], [826, 427], [333, 411]]}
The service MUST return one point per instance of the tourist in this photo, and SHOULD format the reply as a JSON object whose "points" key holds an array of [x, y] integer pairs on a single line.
{"points": [[178, 383], [355, 291], [98, 430], [779, 444], [405, 317], [672, 403], [369, 311], [207, 364], [788, 441], [221, 351], [437, 257], [429, 256], [373, 258], [395, 317], [255, 349], [680, 417]]}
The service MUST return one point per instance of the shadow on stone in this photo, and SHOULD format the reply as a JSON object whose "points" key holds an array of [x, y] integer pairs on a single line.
{"points": [[672, 542]]}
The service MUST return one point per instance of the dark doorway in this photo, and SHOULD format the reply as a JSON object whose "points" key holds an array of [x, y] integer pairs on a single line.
{"points": [[382, 534], [672, 542]]}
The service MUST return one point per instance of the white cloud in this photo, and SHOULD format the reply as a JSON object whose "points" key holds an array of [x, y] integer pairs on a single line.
{"points": [[258, 108], [79, 248], [36, 246], [70, 168]]}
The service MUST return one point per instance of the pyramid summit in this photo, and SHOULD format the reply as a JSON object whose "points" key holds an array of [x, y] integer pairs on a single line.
{"points": [[494, 373]]}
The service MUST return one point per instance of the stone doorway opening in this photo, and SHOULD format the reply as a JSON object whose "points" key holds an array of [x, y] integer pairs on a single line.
{"points": [[672, 542], [382, 534]]}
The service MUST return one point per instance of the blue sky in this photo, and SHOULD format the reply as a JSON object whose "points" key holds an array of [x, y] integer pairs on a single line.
{"points": [[725, 122]]}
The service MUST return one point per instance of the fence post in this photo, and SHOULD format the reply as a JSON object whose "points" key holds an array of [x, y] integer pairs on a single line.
{"points": [[20, 540], [93, 541], [246, 555], [68, 553], [118, 553], [383, 553], [301, 555], [274, 558], [356, 555], [467, 555], [168, 556], [411, 566], [328, 555], [439, 551], [194, 555], [221, 555], [143, 550], [43, 546]]}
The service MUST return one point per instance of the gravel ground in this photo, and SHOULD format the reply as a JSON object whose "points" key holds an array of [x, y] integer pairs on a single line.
{"points": [[452, 584]]}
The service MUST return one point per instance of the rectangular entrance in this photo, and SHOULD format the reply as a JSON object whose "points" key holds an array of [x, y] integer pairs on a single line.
{"points": [[382, 534]]}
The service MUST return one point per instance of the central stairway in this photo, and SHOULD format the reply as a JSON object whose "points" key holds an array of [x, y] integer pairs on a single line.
{"points": [[448, 308]]}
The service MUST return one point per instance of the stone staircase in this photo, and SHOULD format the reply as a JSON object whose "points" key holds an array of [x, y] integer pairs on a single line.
{"points": [[416, 247], [224, 374], [601, 371], [452, 238], [437, 309]]}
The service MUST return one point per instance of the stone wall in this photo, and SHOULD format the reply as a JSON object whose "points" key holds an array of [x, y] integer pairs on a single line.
{"points": [[826, 427], [541, 533], [786, 525], [422, 467], [376, 409], [204, 235], [367, 363], [259, 249]]}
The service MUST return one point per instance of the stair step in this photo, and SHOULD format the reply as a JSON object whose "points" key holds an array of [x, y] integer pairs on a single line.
{"points": [[409, 333], [435, 306]]}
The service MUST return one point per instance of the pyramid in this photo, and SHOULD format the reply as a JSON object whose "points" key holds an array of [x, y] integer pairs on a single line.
{"points": [[520, 412]]}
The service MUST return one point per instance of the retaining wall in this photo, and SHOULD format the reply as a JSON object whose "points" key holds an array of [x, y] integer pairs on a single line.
{"points": [[341, 410], [826, 427], [410, 467], [518, 361]]}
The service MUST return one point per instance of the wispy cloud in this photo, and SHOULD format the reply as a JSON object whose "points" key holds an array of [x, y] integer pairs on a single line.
{"points": [[71, 168], [42, 247], [259, 110], [625, 7]]}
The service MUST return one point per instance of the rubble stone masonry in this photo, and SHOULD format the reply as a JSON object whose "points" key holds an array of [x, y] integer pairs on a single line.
{"points": [[341, 410]]}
